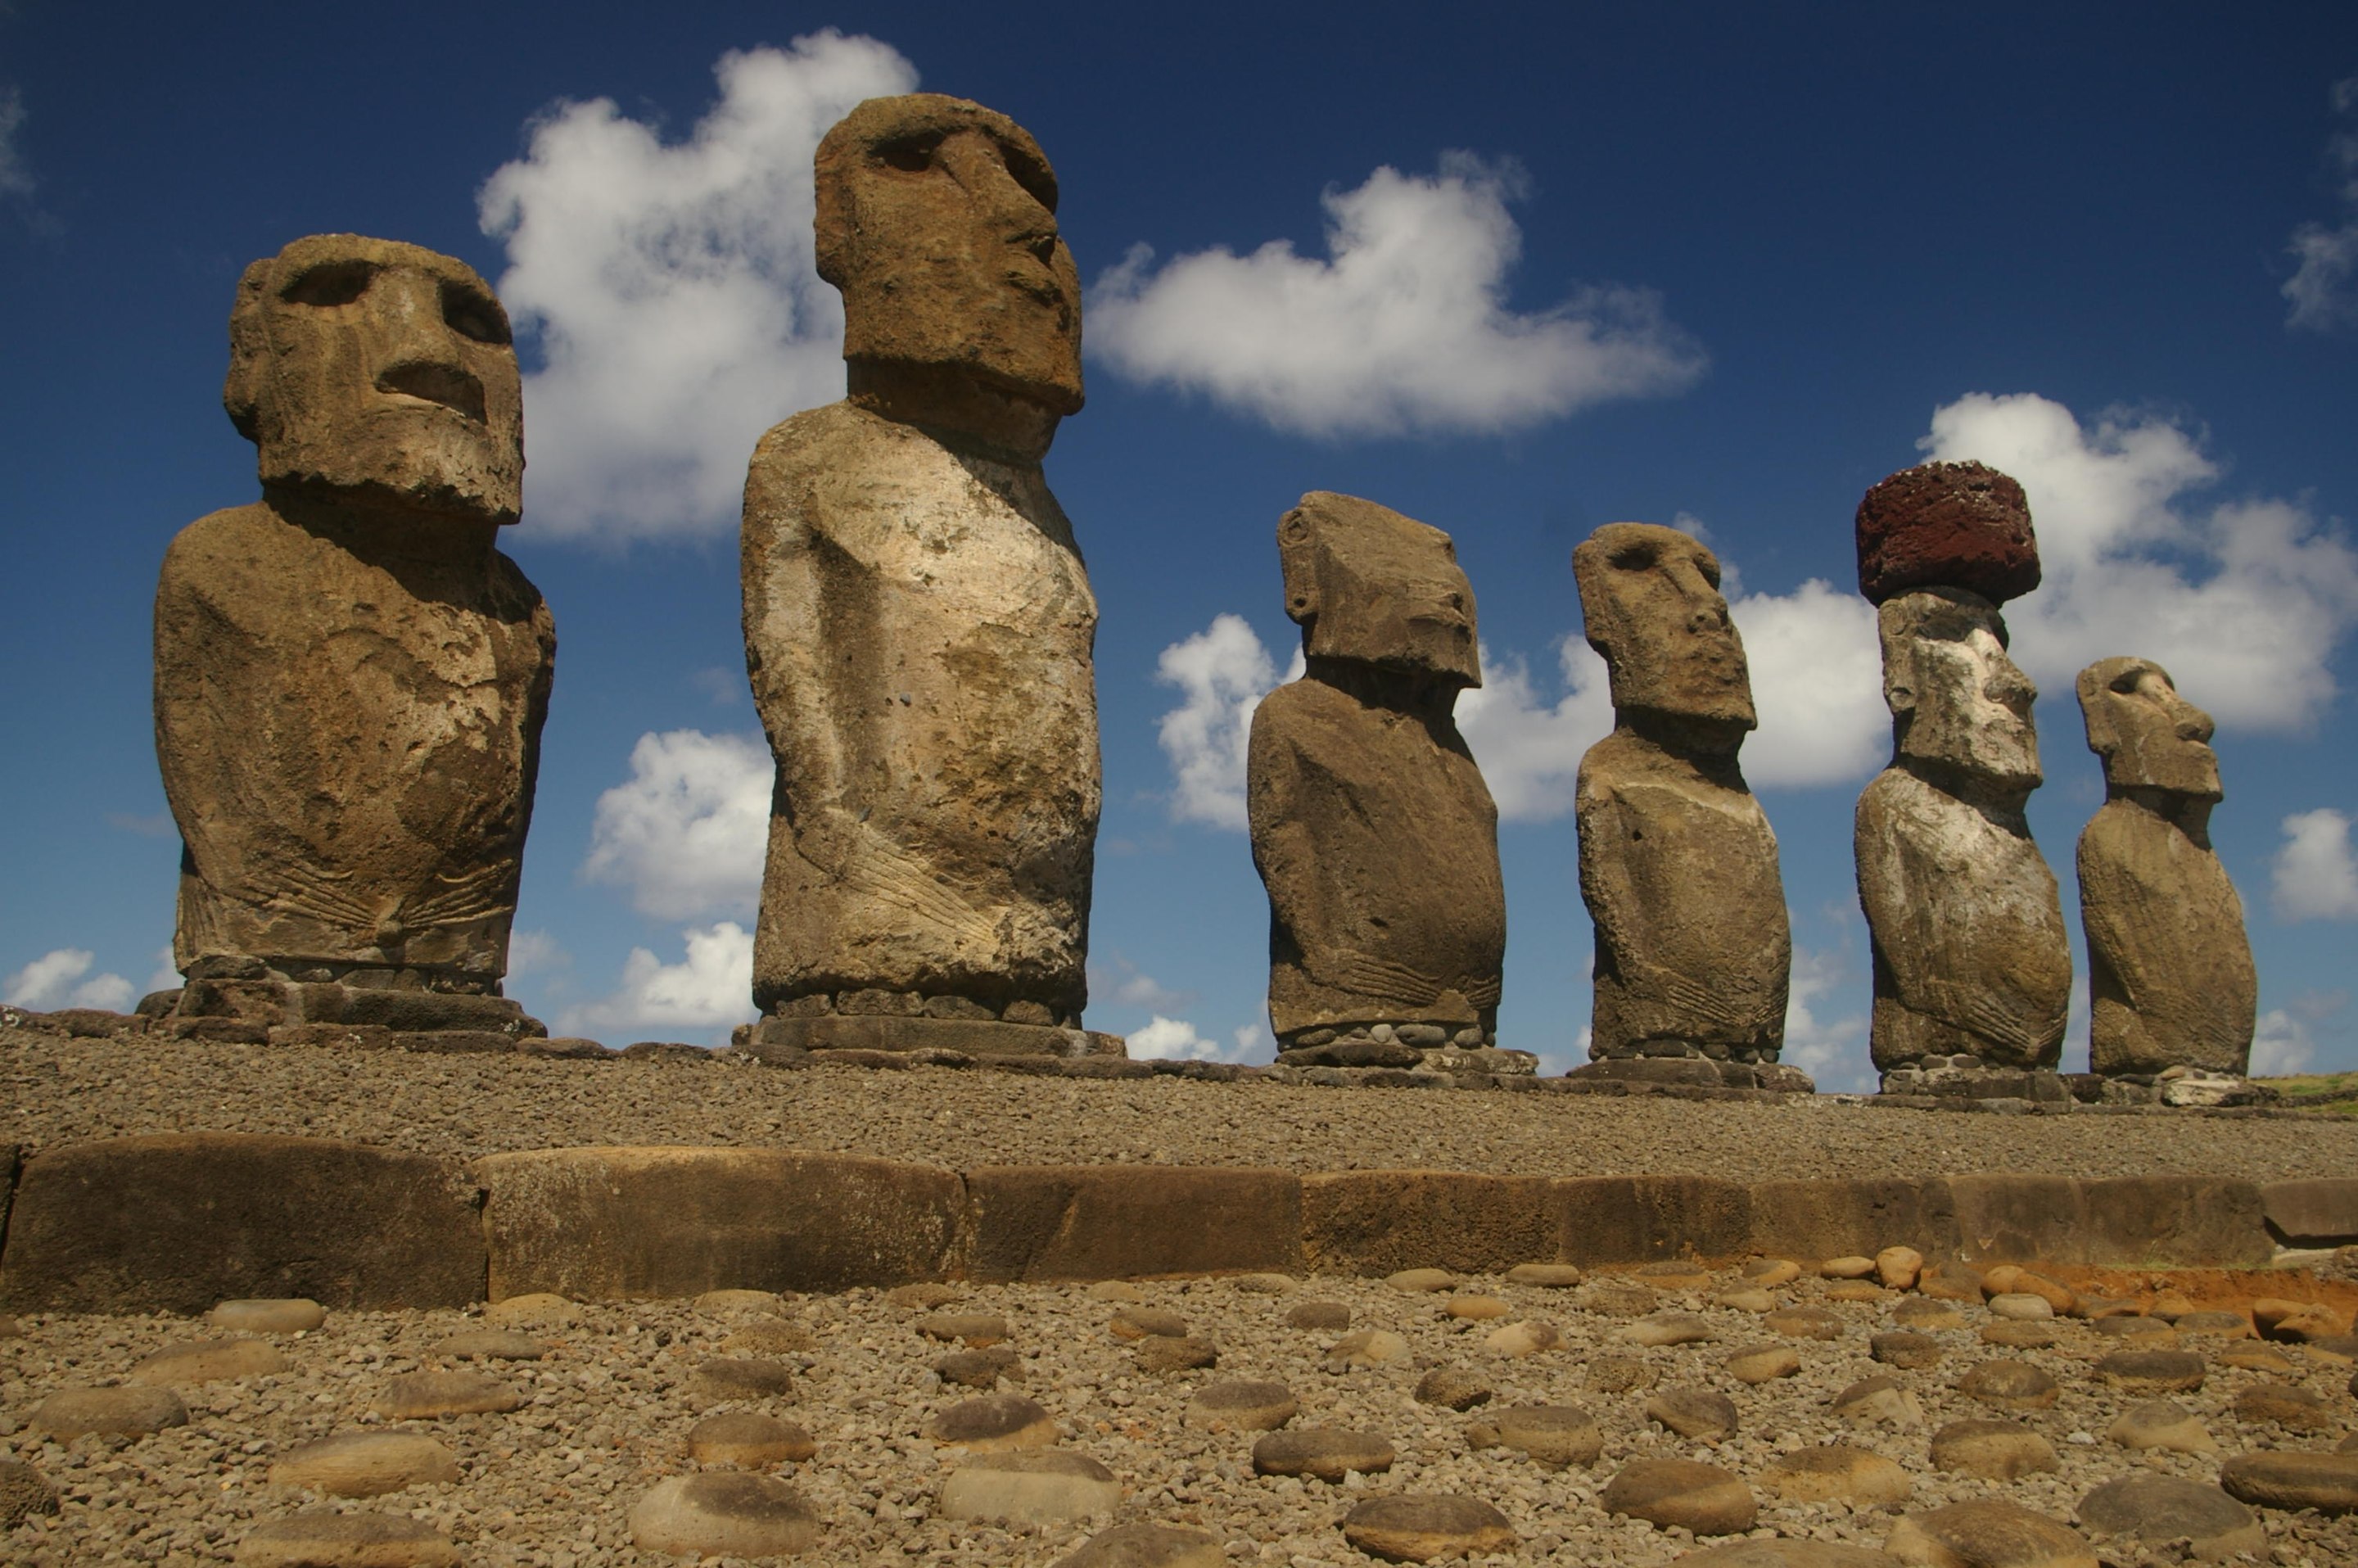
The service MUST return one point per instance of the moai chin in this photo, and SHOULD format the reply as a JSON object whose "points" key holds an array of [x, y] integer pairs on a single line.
{"points": [[918, 623], [1973, 970], [1371, 827], [1678, 865], [2170, 980], [350, 679]]}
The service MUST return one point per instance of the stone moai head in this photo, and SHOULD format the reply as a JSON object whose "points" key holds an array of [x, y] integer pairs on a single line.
{"points": [[1650, 596], [1956, 698], [370, 365], [1372, 586], [937, 220], [2149, 736]]}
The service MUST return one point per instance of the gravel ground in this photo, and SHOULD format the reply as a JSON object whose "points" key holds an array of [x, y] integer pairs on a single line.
{"points": [[53, 1089], [552, 1484]]}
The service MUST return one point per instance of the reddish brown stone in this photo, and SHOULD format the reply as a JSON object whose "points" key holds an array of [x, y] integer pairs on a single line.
{"points": [[1948, 525], [1380, 1222], [1111, 1222]]}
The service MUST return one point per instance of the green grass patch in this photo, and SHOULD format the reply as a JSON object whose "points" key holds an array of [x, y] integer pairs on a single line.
{"points": [[2334, 1093]]}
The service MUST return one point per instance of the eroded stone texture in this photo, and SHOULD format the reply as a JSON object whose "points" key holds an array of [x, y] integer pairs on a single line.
{"points": [[2170, 980], [1947, 525], [1973, 969], [918, 623], [350, 679], [1371, 827], [1678, 865]]}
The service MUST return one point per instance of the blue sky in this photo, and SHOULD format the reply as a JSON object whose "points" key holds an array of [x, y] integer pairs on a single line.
{"points": [[1516, 272]]}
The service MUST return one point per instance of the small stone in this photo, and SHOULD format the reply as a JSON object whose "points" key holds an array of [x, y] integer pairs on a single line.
{"points": [[1266, 1284], [537, 1309], [977, 1369], [770, 1336], [1528, 1337], [1770, 1273], [1926, 1316], [127, 1412], [1880, 1399], [1453, 1389], [210, 1361], [2150, 1329], [1749, 1298], [2008, 1280], [489, 1344], [1763, 1363], [1544, 1276], [1147, 1546], [2018, 1336], [1852, 1267], [2157, 1510], [1162, 1352], [1475, 1308], [2160, 1424], [1898, 1267], [430, 1396], [1615, 1298], [2339, 1351], [1143, 1321], [1621, 1374], [1421, 1280], [1665, 1328], [740, 1377], [1836, 1472], [24, 1492], [2280, 1319], [2009, 1385], [1986, 1534], [2152, 1371], [926, 1295], [1241, 1406], [2022, 1306], [724, 1513], [1326, 1452], [1950, 1283], [737, 1303], [322, 1538], [1030, 1489], [2233, 1324], [1679, 1493], [1909, 1352], [1993, 1450], [1693, 1413], [1366, 1347], [1856, 1290], [994, 1424], [1116, 1290], [1805, 1322], [2256, 1359], [2326, 1482], [275, 1315], [972, 1329], [1675, 1274], [1418, 1527], [1553, 1435], [1326, 1316], [749, 1440], [2293, 1408], [366, 1463]]}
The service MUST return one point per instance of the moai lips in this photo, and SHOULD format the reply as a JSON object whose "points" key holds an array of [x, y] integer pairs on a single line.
{"points": [[1947, 525]]}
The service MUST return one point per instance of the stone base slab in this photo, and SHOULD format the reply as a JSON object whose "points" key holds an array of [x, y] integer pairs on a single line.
{"points": [[2035, 1085], [1697, 1072], [966, 1036], [276, 1004]]}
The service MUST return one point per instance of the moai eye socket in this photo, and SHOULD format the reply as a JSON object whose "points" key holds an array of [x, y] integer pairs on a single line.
{"points": [[910, 155], [475, 314], [330, 282], [1637, 557]]}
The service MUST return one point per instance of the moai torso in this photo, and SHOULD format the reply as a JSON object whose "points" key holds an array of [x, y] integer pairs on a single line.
{"points": [[350, 679]]}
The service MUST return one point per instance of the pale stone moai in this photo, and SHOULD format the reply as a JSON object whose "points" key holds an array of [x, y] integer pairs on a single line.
{"points": [[1678, 864], [918, 623], [1371, 827], [2170, 980], [349, 677], [1973, 969]]}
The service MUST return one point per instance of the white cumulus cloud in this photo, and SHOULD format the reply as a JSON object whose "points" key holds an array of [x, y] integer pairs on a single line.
{"points": [[688, 832], [1817, 686], [1403, 326], [671, 289], [707, 992], [2323, 289], [2242, 601], [2315, 872], [1222, 673], [1118, 981], [1832, 1050], [2280, 1044], [61, 978], [1529, 748]]}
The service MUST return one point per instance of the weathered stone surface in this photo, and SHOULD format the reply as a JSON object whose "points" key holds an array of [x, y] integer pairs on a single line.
{"points": [[24, 1492], [1762, 1363], [2157, 1510], [2326, 1482], [724, 1513], [1366, 1347], [1075, 1222], [2160, 1424], [2321, 1211], [176, 1221], [917, 618], [1786, 1553], [1955, 524], [1678, 865], [609, 1223], [1882, 1399], [1326, 1451], [979, 1369], [972, 1329], [1544, 1276], [1161, 1353], [731, 1304], [1635, 1220], [1986, 1534], [1993, 1450], [1923, 1315], [1700, 1413], [2152, 1371], [1665, 1328], [1475, 1308], [1421, 1280], [1141, 1323], [1528, 1337], [533, 1309], [1836, 1472], [1422, 1527], [2287, 1405], [1703, 1499], [2170, 978], [273, 1315], [1147, 1546], [1372, 830], [1908, 1351], [132, 1411], [322, 1538], [1553, 1435], [366, 1463], [353, 637], [739, 1377], [994, 1424], [1382, 1222], [1032, 1488], [1970, 957], [749, 1440], [1896, 1268], [2010, 1385], [430, 1396], [489, 1344], [1806, 1323], [1322, 1315], [1241, 1405]]}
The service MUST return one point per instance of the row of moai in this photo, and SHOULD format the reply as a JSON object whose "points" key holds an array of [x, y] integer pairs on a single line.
{"points": [[351, 682]]}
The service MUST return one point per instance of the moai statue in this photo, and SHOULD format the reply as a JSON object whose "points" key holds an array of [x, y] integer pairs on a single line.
{"points": [[918, 624], [1678, 865], [1973, 970], [350, 678], [2169, 969], [1371, 827]]}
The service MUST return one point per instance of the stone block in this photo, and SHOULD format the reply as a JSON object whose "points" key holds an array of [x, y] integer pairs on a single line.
{"points": [[1100, 1222], [176, 1222], [596, 1224], [2212, 1222], [967, 1037], [1379, 1222], [1843, 1218], [1635, 1220], [2018, 1220], [2320, 1212]]}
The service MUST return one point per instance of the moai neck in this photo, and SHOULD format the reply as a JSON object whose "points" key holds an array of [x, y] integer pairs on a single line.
{"points": [[383, 532], [1708, 746], [1415, 694], [963, 410], [2001, 800], [2190, 814]]}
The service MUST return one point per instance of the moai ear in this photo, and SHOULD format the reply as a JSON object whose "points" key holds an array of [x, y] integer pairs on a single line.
{"points": [[248, 353], [1297, 559]]}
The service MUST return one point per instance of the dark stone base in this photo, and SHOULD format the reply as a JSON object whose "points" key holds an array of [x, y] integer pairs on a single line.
{"points": [[275, 1004], [1394, 1053], [2178, 1088], [1698, 1072], [886, 1032], [1951, 1079]]}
